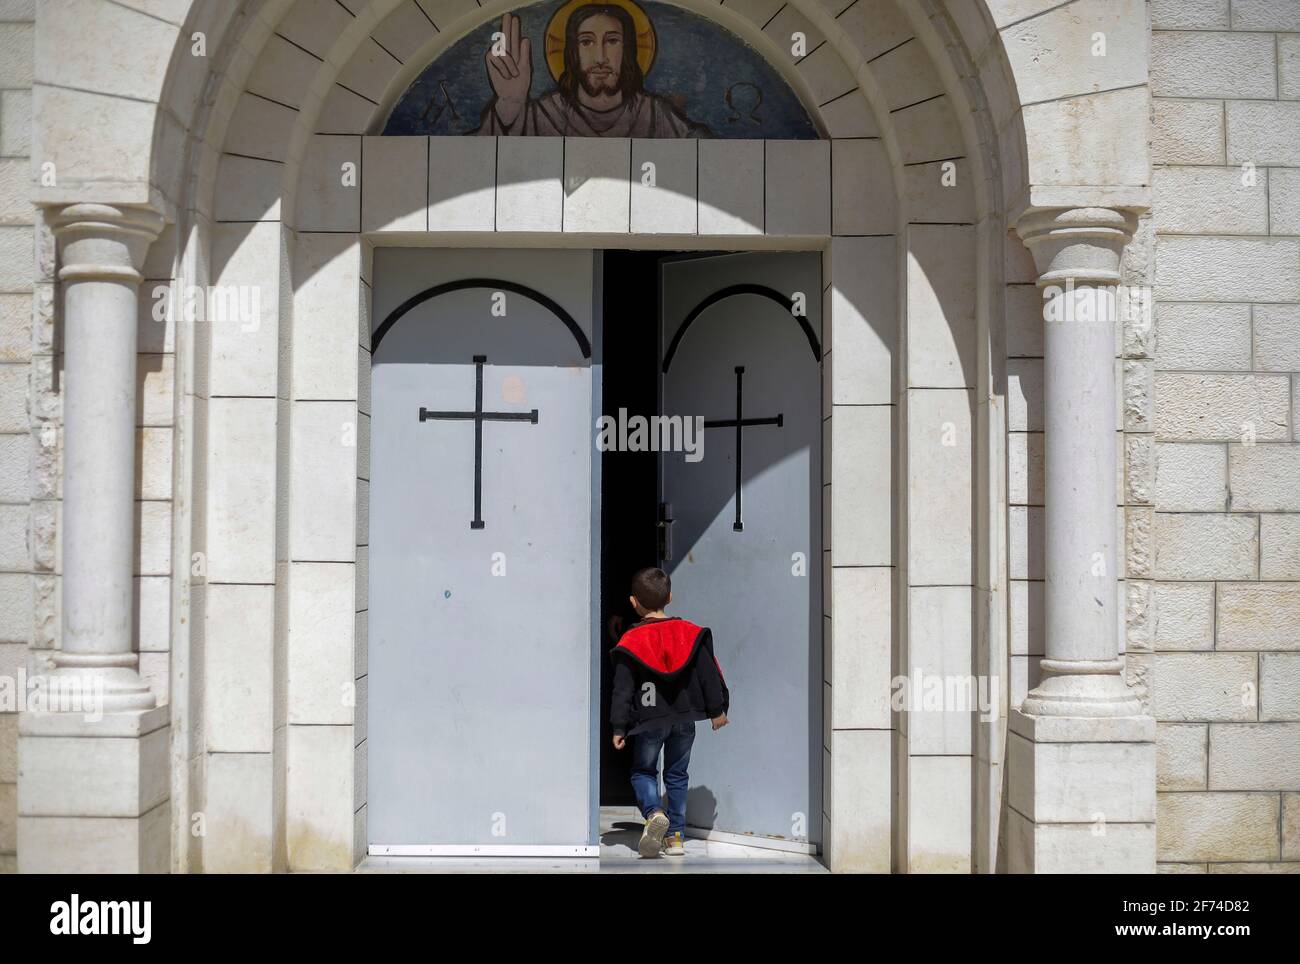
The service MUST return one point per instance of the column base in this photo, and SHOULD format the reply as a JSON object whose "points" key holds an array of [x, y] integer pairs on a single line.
{"points": [[93, 683], [1082, 794], [1086, 689], [93, 794]]}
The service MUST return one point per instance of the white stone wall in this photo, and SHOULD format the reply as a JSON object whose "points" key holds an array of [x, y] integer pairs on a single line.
{"points": [[18, 342], [1209, 498], [1219, 619]]}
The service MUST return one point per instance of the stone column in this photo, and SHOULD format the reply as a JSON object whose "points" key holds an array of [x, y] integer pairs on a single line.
{"points": [[102, 250], [1077, 253], [1080, 751], [92, 760]]}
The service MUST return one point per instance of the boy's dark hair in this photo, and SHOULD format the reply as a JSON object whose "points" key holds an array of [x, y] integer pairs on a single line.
{"points": [[651, 588]]}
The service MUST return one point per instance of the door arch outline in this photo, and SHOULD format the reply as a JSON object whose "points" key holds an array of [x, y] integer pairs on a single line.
{"points": [[394, 316], [733, 291]]}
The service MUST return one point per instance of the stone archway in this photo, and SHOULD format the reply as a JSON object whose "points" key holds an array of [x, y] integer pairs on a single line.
{"points": [[903, 93], [867, 399]]}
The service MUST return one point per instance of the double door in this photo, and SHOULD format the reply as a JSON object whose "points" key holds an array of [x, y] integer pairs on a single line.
{"points": [[484, 659]]}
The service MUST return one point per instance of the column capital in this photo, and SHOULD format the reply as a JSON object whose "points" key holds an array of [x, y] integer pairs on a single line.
{"points": [[103, 242], [1080, 244]]}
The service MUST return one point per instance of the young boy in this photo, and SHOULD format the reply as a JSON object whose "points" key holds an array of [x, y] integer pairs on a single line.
{"points": [[665, 679]]}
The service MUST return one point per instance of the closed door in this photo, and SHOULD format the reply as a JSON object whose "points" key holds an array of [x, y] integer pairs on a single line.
{"points": [[741, 348], [480, 623]]}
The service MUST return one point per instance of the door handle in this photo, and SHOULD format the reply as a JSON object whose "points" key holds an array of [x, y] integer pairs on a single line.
{"points": [[665, 529]]}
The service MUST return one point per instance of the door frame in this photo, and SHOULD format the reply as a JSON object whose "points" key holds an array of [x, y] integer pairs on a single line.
{"points": [[681, 248], [884, 769]]}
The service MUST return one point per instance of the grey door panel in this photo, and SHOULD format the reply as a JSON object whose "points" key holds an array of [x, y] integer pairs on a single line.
{"points": [[757, 584], [480, 659]]}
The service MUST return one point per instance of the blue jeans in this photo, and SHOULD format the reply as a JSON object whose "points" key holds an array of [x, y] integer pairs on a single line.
{"points": [[676, 743]]}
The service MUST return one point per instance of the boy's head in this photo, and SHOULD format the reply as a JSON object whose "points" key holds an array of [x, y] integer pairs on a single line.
{"points": [[652, 590]]}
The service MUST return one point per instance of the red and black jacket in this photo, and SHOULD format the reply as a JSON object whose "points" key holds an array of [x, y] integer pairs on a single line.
{"points": [[665, 673]]}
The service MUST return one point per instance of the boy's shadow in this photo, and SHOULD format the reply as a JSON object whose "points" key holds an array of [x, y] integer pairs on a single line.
{"points": [[624, 833]]}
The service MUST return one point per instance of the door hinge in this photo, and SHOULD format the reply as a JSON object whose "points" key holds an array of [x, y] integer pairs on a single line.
{"points": [[665, 527]]}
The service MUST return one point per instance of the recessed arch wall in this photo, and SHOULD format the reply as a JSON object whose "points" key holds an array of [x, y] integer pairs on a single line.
{"points": [[923, 226]]}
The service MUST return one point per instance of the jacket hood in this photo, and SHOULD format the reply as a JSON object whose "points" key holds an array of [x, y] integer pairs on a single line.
{"points": [[663, 646]]}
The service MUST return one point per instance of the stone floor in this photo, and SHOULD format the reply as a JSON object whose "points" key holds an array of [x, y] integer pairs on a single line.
{"points": [[620, 829]]}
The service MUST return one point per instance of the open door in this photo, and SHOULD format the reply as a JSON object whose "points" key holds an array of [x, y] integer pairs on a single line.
{"points": [[741, 530], [481, 566]]}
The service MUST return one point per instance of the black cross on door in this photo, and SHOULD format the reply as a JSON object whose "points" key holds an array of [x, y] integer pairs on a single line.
{"points": [[740, 423], [479, 416]]}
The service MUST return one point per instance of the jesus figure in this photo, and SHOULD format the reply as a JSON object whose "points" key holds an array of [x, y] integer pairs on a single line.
{"points": [[600, 93]]}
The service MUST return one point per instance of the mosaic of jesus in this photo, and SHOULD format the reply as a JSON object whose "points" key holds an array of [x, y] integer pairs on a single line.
{"points": [[603, 59], [601, 68]]}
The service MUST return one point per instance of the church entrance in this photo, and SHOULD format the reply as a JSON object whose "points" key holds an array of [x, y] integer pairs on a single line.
{"points": [[545, 422]]}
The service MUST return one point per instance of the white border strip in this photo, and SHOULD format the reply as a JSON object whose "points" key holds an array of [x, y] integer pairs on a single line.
{"points": [[753, 840], [484, 850]]}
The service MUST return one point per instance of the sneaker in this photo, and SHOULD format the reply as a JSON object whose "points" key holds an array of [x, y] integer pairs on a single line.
{"points": [[675, 845], [652, 838]]}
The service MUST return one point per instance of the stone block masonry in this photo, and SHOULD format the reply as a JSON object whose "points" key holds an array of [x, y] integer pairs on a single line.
{"points": [[1225, 78]]}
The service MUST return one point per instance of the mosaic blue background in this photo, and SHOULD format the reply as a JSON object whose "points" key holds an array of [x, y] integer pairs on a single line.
{"points": [[697, 62]]}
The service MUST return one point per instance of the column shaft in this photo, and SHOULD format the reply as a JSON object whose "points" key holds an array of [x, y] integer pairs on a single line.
{"points": [[1079, 475], [98, 482]]}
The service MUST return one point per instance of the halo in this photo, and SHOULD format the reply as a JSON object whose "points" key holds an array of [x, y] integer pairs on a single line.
{"points": [[646, 42]]}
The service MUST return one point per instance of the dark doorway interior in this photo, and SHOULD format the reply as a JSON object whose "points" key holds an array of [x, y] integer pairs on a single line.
{"points": [[629, 480]]}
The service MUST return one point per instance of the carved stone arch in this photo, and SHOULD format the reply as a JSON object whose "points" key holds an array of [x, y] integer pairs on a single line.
{"points": [[837, 69]]}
